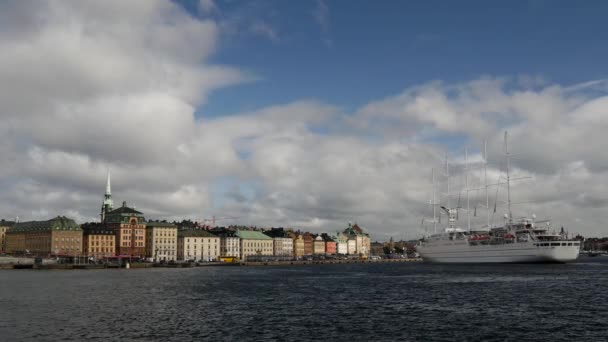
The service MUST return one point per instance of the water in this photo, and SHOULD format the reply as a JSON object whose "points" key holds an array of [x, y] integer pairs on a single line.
{"points": [[361, 302]]}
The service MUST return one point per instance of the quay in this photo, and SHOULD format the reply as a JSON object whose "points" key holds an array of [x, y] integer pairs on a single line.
{"points": [[325, 262], [33, 266]]}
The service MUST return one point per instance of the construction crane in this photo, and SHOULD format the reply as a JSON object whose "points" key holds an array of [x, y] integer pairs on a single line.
{"points": [[213, 219]]}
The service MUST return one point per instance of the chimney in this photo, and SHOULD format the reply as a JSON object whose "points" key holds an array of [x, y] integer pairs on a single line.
{"points": [[124, 203]]}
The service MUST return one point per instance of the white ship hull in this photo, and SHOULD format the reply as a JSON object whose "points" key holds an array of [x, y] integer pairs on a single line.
{"points": [[520, 252]]}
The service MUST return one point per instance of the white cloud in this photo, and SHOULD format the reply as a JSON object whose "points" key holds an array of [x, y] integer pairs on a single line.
{"points": [[88, 87]]}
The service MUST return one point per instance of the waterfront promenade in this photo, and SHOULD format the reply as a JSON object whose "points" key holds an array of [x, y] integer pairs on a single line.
{"points": [[28, 263]]}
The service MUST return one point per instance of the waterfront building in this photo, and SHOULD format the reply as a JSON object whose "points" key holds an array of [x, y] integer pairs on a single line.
{"points": [[254, 243], [4, 226], [98, 240], [298, 246], [161, 241], [351, 246], [282, 246], [129, 226], [341, 244], [197, 245], [58, 236], [308, 243], [318, 246], [330, 244], [362, 240], [282, 243], [229, 242]]}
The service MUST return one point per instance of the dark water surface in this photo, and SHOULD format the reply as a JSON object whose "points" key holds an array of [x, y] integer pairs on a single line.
{"points": [[362, 302]]}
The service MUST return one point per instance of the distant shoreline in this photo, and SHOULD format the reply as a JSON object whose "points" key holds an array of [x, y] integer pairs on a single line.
{"points": [[193, 265]]}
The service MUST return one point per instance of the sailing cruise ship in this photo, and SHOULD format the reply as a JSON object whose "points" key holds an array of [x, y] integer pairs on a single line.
{"points": [[524, 241]]}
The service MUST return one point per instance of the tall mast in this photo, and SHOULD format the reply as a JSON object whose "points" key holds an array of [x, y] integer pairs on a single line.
{"points": [[507, 155], [485, 180], [447, 174], [434, 204], [466, 180]]}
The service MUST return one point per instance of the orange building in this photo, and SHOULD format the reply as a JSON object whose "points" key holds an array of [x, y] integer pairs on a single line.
{"points": [[129, 227]]}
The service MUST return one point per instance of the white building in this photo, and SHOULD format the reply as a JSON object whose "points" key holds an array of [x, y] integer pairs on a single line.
{"points": [[230, 246], [197, 245], [161, 241], [351, 246], [254, 243], [341, 244], [282, 246]]}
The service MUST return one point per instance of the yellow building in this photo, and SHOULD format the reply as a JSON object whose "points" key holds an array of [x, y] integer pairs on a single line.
{"points": [[98, 240], [57, 236], [161, 241], [298, 246], [4, 226], [254, 243]]}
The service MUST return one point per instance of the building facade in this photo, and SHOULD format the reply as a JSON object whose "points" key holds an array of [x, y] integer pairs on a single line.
{"points": [[229, 243], [129, 226], [282, 246], [197, 245], [4, 226], [341, 244], [361, 240], [161, 241], [98, 240], [282, 242], [330, 247], [298, 246], [57, 236], [318, 245], [308, 243], [254, 243]]}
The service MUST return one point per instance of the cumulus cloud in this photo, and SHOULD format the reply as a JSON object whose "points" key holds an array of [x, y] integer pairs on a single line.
{"points": [[88, 87]]}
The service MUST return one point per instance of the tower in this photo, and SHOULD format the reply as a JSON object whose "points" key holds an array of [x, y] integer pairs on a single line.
{"points": [[107, 200]]}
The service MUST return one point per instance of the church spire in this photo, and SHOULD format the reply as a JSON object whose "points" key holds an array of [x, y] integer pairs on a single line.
{"points": [[108, 186], [107, 200]]}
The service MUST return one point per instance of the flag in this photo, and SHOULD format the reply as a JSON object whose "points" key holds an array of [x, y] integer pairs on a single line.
{"points": [[494, 206], [475, 211]]}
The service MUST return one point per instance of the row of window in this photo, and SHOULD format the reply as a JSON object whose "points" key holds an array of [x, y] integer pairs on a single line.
{"points": [[555, 244]]}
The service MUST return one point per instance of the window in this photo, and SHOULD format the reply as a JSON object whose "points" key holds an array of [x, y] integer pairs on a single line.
{"points": [[555, 244]]}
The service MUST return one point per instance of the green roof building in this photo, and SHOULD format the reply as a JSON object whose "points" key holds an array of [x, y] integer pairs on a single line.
{"points": [[254, 243], [60, 236]]}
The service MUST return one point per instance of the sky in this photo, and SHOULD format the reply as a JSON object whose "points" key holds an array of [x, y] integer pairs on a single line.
{"points": [[304, 114]]}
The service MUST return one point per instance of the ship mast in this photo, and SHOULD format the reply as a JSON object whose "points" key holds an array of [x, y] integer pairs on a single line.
{"points": [[434, 204], [447, 174], [466, 180], [485, 176], [507, 155]]}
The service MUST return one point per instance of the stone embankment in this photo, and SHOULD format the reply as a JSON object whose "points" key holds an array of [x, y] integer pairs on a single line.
{"points": [[325, 262], [22, 265]]}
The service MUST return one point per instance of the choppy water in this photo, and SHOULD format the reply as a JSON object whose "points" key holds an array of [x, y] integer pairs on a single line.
{"points": [[363, 302]]}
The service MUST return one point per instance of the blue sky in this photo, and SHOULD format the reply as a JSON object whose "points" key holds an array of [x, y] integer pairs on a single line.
{"points": [[367, 50]]}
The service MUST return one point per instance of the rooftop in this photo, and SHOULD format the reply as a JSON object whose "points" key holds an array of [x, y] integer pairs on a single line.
{"points": [[154, 224], [194, 233], [57, 223], [252, 235]]}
